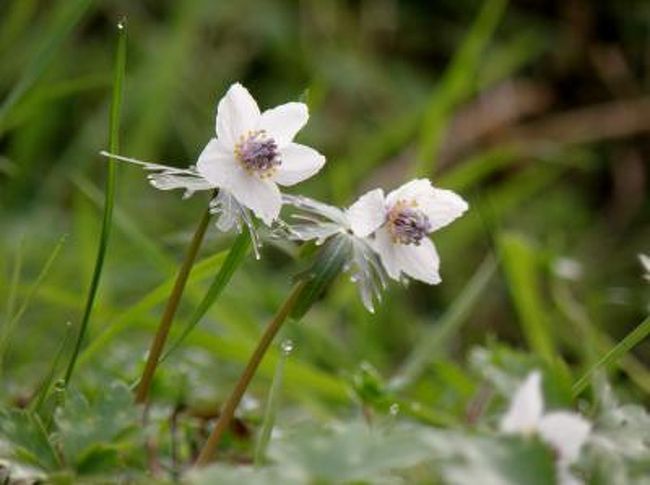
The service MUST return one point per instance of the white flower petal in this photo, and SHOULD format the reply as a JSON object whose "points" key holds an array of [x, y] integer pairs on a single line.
{"points": [[566, 432], [283, 122], [299, 162], [565, 477], [419, 262], [440, 206], [443, 208], [385, 248], [526, 408], [367, 214], [237, 113], [260, 196], [414, 190], [217, 165]]}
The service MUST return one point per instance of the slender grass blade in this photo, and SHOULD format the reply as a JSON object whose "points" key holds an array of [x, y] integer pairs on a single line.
{"points": [[113, 142]]}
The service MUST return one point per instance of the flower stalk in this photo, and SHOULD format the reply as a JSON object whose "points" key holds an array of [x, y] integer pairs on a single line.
{"points": [[263, 345], [327, 265], [158, 343]]}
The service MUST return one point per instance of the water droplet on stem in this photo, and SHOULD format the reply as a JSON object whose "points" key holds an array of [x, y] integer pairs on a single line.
{"points": [[287, 346], [394, 409]]}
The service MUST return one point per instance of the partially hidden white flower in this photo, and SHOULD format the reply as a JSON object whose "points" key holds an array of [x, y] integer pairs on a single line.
{"points": [[252, 153], [565, 432], [319, 222], [400, 222]]}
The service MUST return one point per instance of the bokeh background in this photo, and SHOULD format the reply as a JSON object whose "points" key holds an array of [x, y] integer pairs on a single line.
{"points": [[536, 111]]}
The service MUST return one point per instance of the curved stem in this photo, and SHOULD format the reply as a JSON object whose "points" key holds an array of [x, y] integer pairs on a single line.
{"points": [[231, 404], [158, 343]]}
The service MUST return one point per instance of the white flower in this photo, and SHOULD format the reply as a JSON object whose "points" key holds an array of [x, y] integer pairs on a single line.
{"points": [[399, 224], [564, 431], [254, 151], [320, 222]]}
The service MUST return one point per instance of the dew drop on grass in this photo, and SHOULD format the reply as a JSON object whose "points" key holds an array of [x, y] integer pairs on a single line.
{"points": [[394, 409], [287, 346]]}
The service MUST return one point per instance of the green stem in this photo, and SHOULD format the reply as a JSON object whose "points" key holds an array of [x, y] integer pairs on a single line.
{"points": [[618, 351], [231, 404], [158, 343], [113, 143], [271, 410]]}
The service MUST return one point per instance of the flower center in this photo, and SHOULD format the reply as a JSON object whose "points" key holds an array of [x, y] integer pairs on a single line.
{"points": [[258, 153], [407, 224]]}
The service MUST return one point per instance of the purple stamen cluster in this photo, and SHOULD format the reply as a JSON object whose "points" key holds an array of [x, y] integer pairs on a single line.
{"points": [[258, 153], [408, 225]]}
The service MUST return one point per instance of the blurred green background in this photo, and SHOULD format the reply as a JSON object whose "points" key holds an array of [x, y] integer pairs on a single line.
{"points": [[536, 111]]}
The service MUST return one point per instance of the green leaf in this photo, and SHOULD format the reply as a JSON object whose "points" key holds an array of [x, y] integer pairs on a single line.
{"points": [[465, 459], [27, 439], [520, 266], [224, 474], [87, 429], [328, 264], [350, 451], [98, 459], [625, 430], [234, 259], [618, 450]]}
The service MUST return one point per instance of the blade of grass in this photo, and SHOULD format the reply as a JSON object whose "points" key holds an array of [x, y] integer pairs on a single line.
{"points": [[438, 336], [478, 167], [271, 410], [63, 22], [14, 282], [615, 353], [46, 385], [236, 255], [7, 330], [136, 311], [457, 84], [519, 260], [113, 142], [592, 342]]}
